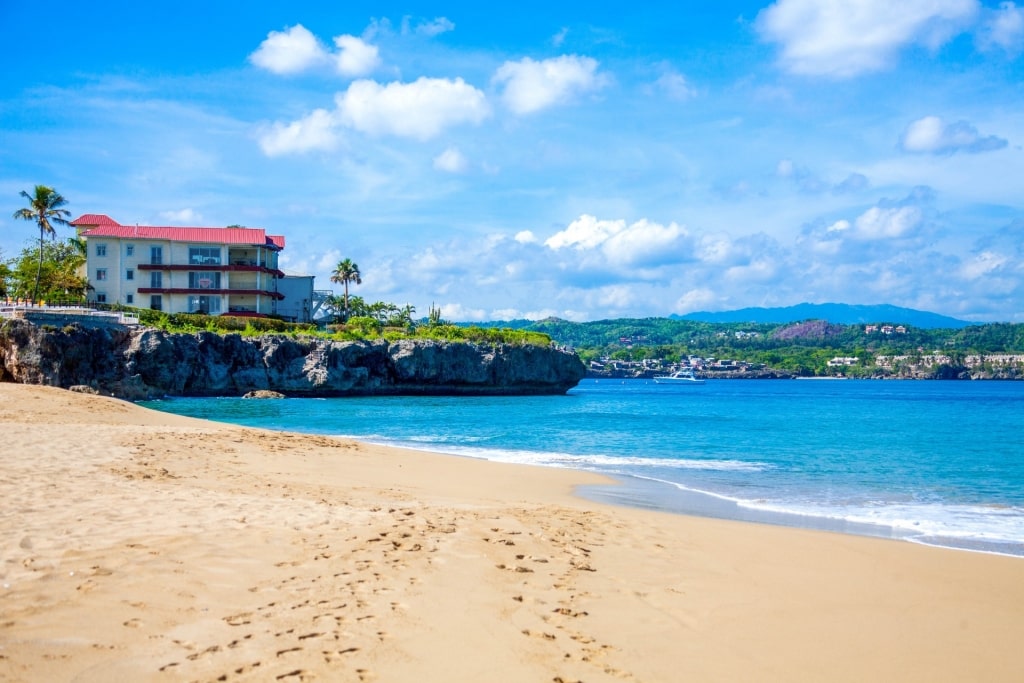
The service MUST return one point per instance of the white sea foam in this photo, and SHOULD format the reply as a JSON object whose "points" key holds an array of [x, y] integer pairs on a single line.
{"points": [[605, 463], [986, 528]]}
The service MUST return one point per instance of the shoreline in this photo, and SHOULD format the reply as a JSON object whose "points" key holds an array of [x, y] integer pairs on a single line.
{"points": [[657, 495], [140, 545]]}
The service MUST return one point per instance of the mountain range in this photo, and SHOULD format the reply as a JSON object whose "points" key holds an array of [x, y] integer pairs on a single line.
{"points": [[840, 314]]}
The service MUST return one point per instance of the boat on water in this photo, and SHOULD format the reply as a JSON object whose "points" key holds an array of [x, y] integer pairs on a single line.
{"points": [[679, 377]]}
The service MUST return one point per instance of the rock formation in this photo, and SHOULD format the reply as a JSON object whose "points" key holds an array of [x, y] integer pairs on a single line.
{"points": [[144, 363]]}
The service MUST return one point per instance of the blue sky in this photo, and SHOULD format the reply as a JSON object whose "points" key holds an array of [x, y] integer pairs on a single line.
{"points": [[582, 162]]}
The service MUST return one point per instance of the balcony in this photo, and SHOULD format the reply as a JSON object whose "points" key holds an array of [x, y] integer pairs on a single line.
{"points": [[222, 267], [208, 291]]}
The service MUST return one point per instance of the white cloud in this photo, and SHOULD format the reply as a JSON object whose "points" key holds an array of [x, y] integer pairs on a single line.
{"points": [[586, 232], [930, 134], [615, 297], [841, 39], [1004, 28], [697, 299], [983, 264], [559, 38], [189, 216], [355, 57], [451, 160], [525, 237], [887, 223], [459, 313], [289, 51], [419, 110], [315, 131], [645, 243], [530, 86]]}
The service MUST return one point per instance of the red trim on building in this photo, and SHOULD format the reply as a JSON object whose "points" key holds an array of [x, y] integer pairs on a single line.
{"points": [[208, 292]]}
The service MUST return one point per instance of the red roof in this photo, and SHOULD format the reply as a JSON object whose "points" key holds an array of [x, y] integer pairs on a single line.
{"points": [[108, 227], [94, 219]]}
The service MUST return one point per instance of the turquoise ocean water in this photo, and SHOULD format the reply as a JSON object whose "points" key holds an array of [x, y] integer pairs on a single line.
{"points": [[933, 462]]}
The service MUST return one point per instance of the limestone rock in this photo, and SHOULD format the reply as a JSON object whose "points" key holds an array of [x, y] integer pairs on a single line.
{"points": [[150, 363], [263, 393]]}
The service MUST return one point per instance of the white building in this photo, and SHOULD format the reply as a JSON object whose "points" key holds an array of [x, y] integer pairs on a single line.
{"points": [[182, 270], [298, 302]]}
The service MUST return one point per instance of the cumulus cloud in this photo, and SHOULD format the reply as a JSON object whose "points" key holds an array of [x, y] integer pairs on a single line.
{"points": [[290, 51], [645, 243], [841, 39], [932, 135], [887, 223], [697, 299], [525, 237], [642, 244], [460, 313], [1003, 28], [296, 49], [420, 110], [586, 232], [451, 160], [530, 86], [355, 57], [314, 131]]}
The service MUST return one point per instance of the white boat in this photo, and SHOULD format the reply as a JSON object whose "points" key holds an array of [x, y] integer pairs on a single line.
{"points": [[678, 377]]}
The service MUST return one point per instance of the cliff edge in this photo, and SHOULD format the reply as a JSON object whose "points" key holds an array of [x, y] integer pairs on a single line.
{"points": [[148, 363]]}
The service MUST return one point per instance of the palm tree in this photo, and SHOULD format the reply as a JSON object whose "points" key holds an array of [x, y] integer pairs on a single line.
{"points": [[44, 208], [345, 272]]}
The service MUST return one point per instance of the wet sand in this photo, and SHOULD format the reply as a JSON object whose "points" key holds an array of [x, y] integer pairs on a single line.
{"points": [[143, 546]]}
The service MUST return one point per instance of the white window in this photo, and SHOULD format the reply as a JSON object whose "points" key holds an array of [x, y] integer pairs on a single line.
{"points": [[156, 256], [209, 256], [204, 280], [129, 274], [129, 250], [101, 250], [204, 304], [101, 274], [156, 280]]}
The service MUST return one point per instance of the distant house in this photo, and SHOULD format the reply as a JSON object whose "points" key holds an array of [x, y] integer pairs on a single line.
{"points": [[182, 270], [844, 361]]}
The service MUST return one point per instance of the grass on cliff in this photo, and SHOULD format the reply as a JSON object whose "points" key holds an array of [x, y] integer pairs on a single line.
{"points": [[356, 329]]}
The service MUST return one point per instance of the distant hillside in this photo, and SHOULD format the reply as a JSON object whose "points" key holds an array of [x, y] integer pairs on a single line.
{"points": [[840, 314]]}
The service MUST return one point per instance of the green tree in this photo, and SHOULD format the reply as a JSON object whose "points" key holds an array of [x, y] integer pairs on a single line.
{"points": [[45, 209], [345, 272], [57, 278]]}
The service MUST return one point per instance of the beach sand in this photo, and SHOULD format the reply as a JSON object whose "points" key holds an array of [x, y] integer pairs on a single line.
{"points": [[141, 546]]}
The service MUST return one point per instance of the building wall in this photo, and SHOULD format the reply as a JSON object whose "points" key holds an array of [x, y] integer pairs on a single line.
{"points": [[297, 305], [113, 270]]}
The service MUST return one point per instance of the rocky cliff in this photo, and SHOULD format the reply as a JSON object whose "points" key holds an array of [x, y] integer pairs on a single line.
{"points": [[144, 363]]}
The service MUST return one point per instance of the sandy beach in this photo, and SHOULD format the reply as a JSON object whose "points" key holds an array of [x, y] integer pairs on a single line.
{"points": [[140, 546]]}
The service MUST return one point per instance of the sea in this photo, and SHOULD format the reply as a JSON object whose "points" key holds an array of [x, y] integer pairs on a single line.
{"points": [[933, 462]]}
